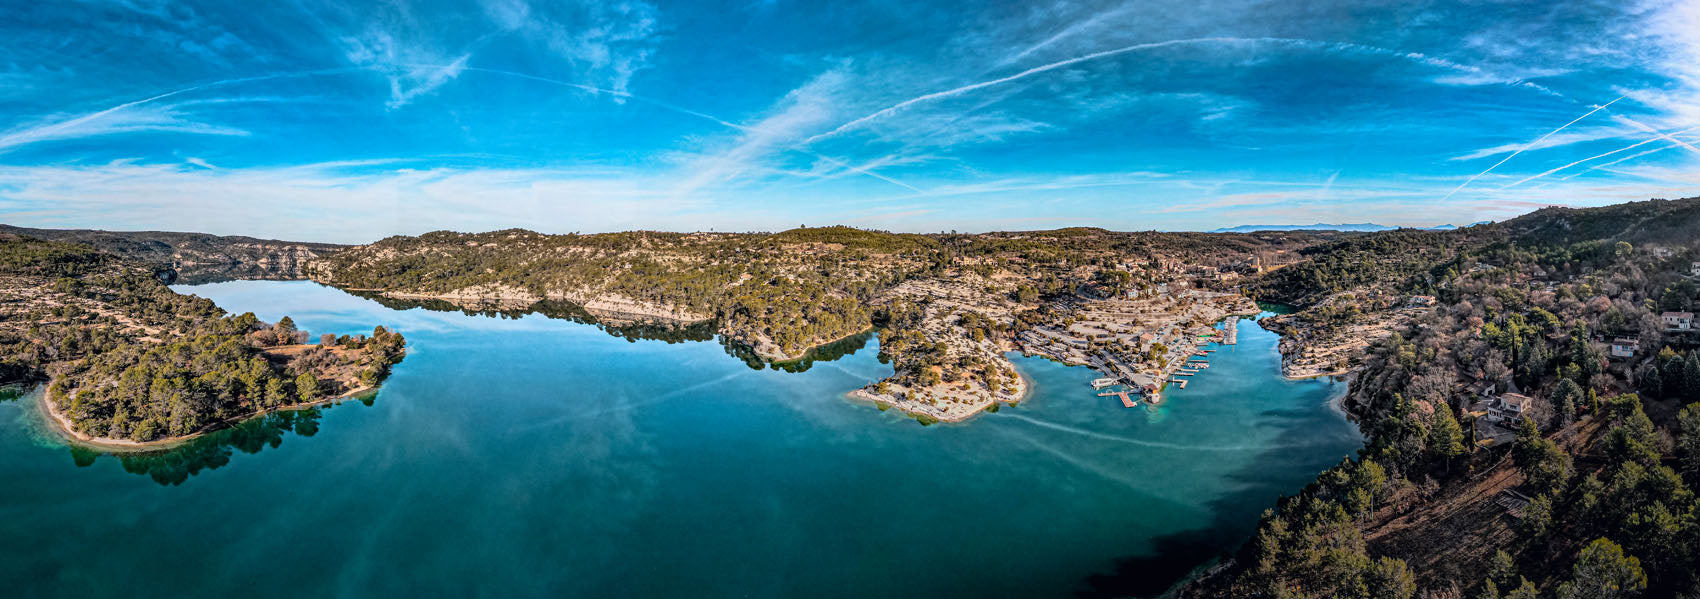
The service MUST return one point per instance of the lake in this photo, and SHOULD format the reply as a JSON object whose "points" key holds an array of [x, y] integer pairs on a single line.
{"points": [[538, 456]]}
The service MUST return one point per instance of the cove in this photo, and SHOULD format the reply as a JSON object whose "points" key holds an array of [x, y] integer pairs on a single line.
{"points": [[524, 454]]}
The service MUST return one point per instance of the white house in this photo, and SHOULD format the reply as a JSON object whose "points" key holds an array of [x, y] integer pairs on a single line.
{"points": [[1694, 269], [1678, 321], [1507, 409], [1625, 347]]}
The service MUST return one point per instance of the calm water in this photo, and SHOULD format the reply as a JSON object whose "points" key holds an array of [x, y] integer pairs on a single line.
{"points": [[539, 456]]}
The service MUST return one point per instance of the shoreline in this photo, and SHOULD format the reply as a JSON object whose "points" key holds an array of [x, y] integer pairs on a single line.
{"points": [[63, 428], [602, 307], [611, 309], [810, 349], [863, 395]]}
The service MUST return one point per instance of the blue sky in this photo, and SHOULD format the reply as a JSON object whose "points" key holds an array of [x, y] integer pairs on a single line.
{"points": [[349, 122]]}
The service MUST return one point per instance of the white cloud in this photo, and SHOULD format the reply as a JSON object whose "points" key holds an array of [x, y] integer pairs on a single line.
{"points": [[127, 118], [606, 42], [368, 203], [413, 69]]}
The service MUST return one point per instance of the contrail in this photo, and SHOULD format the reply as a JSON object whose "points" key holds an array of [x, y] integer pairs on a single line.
{"points": [[1597, 157], [687, 111], [1021, 75], [1531, 144], [1067, 32], [37, 133], [1643, 127], [1615, 162], [1412, 56]]}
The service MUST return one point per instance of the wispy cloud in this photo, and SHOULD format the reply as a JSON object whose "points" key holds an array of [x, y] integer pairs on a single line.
{"points": [[1533, 177], [606, 42], [1554, 141], [1526, 147], [1478, 76], [402, 63], [138, 115], [131, 117], [280, 202], [803, 109], [1071, 30]]}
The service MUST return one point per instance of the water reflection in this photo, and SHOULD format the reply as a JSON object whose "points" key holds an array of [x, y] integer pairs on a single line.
{"points": [[824, 353], [174, 466], [201, 274], [634, 330], [557, 309]]}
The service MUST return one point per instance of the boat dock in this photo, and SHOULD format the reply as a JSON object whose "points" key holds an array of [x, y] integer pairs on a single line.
{"points": [[1127, 402], [1231, 331]]}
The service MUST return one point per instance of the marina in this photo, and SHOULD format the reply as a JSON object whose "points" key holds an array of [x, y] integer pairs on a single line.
{"points": [[1192, 361]]}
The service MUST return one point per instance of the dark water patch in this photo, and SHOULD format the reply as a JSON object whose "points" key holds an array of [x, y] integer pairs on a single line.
{"points": [[1276, 308], [175, 465]]}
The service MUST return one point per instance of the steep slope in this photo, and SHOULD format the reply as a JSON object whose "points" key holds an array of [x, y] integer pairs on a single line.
{"points": [[1596, 457]]}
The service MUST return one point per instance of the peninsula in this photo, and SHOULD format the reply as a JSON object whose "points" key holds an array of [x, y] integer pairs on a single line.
{"points": [[133, 365]]}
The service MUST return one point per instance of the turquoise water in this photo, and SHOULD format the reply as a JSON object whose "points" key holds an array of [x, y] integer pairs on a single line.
{"points": [[539, 456]]}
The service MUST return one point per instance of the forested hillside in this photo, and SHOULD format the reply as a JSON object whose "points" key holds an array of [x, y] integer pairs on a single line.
{"points": [[1587, 490], [781, 293], [129, 359], [194, 257]]}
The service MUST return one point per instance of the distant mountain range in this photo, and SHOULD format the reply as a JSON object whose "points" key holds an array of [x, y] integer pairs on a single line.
{"points": [[1363, 227]]}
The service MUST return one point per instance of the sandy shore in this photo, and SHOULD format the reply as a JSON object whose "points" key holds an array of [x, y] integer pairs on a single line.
{"points": [[62, 425]]}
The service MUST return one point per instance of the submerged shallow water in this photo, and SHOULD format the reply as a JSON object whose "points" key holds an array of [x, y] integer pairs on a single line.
{"points": [[542, 456]]}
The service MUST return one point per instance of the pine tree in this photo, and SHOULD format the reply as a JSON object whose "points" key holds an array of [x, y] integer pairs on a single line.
{"points": [[1391, 578], [1446, 439], [1502, 570], [1691, 377], [1537, 518], [1650, 382], [1565, 396], [1603, 571], [307, 387], [1688, 443], [1526, 590]]}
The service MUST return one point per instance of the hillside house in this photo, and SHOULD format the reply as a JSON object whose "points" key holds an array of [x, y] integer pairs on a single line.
{"points": [[1507, 409], [1625, 347], [1678, 321]]}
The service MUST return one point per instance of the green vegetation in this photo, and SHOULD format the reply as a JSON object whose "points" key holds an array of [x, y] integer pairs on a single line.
{"points": [[779, 293], [130, 359], [1605, 451]]}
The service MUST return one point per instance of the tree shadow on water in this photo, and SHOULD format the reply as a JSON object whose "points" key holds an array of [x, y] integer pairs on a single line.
{"points": [[1233, 517], [174, 466]]}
